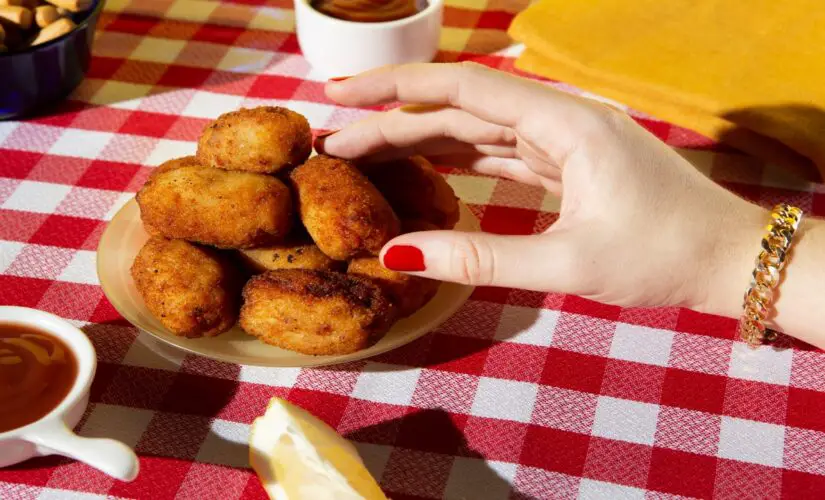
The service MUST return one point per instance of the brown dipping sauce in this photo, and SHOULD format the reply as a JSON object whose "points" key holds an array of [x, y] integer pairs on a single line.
{"points": [[37, 371], [366, 11]]}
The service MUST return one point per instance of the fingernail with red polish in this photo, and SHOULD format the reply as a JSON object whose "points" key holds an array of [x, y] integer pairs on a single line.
{"points": [[339, 78], [325, 134], [404, 258]]}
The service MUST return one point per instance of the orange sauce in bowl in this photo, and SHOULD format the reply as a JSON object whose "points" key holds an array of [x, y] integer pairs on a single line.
{"points": [[367, 11], [37, 371]]}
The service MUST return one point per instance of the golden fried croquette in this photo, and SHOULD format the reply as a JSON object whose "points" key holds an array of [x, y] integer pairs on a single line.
{"points": [[194, 291], [341, 209], [217, 207], [315, 312], [416, 190], [291, 254], [174, 164], [263, 139], [151, 231], [408, 293]]}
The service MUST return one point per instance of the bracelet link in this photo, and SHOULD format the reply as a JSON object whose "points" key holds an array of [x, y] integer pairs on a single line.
{"points": [[769, 263], [766, 276]]}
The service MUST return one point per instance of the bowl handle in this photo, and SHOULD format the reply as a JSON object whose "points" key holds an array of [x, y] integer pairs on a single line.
{"points": [[107, 455]]}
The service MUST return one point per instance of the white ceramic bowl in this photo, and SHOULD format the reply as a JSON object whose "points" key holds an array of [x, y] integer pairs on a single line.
{"points": [[335, 47], [52, 435]]}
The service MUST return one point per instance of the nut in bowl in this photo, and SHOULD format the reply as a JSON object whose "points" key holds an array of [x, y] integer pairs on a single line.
{"points": [[273, 261]]}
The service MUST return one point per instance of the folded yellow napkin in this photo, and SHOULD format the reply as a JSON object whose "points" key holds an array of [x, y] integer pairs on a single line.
{"points": [[751, 74]]}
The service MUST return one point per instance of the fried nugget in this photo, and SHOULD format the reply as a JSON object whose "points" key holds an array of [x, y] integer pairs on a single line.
{"points": [[174, 164], [315, 312], [292, 254], [217, 207], [186, 161], [408, 293], [151, 231], [343, 212], [263, 139], [415, 190], [194, 291]]}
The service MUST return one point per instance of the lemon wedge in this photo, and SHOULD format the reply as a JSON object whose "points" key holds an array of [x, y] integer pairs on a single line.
{"points": [[299, 457]]}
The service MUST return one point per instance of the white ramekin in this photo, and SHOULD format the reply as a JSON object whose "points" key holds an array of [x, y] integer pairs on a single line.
{"points": [[335, 47], [52, 435]]}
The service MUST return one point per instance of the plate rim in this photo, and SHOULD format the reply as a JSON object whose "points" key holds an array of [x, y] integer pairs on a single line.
{"points": [[312, 361]]}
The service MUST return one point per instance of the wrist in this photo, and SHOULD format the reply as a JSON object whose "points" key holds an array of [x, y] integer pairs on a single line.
{"points": [[730, 259], [732, 245]]}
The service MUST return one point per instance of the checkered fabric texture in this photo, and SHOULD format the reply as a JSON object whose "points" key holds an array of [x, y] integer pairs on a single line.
{"points": [[520, 395]]}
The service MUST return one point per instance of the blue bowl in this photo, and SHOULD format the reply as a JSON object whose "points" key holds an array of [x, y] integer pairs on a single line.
{"points": [[35, 79]]}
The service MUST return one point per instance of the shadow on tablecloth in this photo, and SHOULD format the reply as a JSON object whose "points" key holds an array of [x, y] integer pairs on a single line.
{"points": [[796, 148], [438, 433], [474, 330]]}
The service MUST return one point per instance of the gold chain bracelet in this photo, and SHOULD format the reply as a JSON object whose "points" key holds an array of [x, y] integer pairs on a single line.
{"points": [[769, 263]]}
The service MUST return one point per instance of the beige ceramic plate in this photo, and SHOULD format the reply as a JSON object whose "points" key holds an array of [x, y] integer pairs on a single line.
{"points": [[123, 238]]}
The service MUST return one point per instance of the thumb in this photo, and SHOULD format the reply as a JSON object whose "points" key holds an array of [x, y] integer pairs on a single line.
{"points": [[541, 262]]}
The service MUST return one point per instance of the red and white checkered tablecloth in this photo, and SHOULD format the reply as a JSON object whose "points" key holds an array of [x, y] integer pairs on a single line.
{"points": [[520, 395]]}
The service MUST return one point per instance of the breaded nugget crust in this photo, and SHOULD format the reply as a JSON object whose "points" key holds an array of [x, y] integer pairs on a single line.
{"points": [[315, 312], [289, 255], [217, 207], [194, 291], [343, 212], [416, 190], [174, 164], [408, 293], [263, 139]]}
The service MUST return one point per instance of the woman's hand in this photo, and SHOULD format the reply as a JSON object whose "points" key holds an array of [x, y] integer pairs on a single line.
{"points": [[638, 225]]}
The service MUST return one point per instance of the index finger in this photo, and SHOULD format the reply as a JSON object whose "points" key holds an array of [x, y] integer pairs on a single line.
{"points": [[488, 94]]}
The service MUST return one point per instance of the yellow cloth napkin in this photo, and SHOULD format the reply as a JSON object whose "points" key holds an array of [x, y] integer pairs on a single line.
{"points": [[748, 73]]}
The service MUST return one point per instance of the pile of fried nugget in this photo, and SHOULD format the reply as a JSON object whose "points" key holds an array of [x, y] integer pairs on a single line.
{"points": [[251, 230]]}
